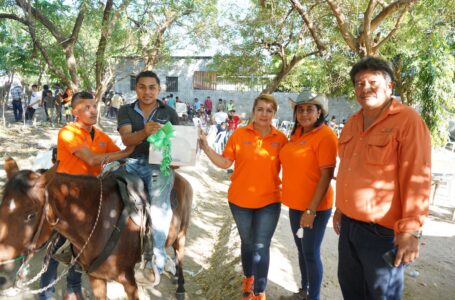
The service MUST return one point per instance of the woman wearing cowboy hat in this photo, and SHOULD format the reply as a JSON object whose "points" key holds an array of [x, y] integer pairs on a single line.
{"points": [[308, 163]]}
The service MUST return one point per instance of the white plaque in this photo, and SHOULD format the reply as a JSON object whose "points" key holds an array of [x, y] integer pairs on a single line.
{"points": [[183, 147]]}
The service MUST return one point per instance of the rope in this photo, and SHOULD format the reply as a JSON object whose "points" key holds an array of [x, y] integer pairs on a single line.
{"points": [[12, 260], [74, 260]]}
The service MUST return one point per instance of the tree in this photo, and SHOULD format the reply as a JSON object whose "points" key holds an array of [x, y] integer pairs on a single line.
{"points": [[32, 17], [159, 25], [379, 22], [274, 39], [102, 76]]}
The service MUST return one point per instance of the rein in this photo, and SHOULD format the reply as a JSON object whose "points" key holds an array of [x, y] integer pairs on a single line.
{"points": [[5, 262]]}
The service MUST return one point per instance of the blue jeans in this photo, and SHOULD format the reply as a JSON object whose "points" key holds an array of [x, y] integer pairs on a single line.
{"points": [[309, 248], [159, 189], [256, 227], [17, 110], [73, 278], [362, 272]]}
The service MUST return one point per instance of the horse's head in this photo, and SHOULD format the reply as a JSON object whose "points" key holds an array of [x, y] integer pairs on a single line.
{"points": [[21, 210]]}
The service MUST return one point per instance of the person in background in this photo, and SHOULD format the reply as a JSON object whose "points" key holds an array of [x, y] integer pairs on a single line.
{"points": [[58, 104], [333, 123], [171, 101], [16, 96], [308, 163], [254, 193], [81, 150], [34, 103], [219, 118], [208, 106], [196, 105], [66, 104], [43, 104], [116, 102], [49, 103], [220, 106], [382, 187], [230, 106], [233, 120]]}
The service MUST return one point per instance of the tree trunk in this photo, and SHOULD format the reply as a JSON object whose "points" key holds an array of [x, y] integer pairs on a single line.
{"points": [[285, 69], [5, 100]]}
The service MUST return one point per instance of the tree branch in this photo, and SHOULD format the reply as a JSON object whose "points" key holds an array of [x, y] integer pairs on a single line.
{"points": [[77, 26], [26, 7], [306, 18], [391, 33], [389, 10], [37, 45], [350, 40], [13, 17], [365, 36]]}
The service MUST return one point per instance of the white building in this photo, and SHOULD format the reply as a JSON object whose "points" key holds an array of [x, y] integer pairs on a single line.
{"points": [[189, 77]]}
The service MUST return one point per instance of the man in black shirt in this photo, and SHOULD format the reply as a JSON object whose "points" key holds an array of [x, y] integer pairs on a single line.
{"points": [[137, 121]]}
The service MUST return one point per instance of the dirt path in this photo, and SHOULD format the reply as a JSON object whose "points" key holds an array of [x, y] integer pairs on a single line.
{"points": [[212, 264]]}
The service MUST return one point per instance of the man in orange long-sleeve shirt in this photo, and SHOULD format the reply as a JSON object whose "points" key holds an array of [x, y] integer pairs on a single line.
{"points": [[383, 187]]}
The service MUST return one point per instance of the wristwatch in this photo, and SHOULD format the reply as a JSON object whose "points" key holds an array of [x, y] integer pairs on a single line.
{"points": [[309, 212], [417, 234]]}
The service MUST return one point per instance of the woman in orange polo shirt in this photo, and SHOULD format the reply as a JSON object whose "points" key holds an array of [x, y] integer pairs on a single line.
{"points": [[308, 162], [254, 193]]}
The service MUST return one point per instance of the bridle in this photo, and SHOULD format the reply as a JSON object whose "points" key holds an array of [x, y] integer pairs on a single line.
{"points": [[31, 249]]}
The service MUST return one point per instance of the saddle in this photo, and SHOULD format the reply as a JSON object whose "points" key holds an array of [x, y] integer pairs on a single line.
{"points": [[134, 198]]}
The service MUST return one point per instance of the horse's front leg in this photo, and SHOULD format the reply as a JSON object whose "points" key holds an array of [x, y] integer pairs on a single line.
{"points": [[130, 286], [99, 287]]}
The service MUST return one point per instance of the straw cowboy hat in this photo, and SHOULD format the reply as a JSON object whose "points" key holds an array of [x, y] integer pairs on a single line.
{"points": [[306, 97]]}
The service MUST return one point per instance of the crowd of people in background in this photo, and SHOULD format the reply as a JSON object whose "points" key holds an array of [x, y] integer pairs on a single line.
{"points": [[55, 103]]}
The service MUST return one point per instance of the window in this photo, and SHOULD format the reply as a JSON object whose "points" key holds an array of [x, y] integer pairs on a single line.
{"points": [[203, 80], [172, 84], [132, 83]]}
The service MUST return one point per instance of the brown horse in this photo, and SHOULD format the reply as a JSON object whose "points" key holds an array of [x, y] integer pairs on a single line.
{"points": [[69, 204]]}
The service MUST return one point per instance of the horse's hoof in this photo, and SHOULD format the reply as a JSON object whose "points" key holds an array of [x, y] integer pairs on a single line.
{"points": [[180, 296]]}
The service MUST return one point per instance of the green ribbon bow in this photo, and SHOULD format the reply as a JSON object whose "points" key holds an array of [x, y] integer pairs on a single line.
{"points": [[161, 141]]}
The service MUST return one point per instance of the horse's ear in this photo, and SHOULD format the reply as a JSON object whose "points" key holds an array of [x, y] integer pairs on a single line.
{"points": [[48, 175], [10, 167]]}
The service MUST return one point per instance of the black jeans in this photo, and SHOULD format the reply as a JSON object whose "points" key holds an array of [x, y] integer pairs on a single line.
{"points": [[362, 271]]}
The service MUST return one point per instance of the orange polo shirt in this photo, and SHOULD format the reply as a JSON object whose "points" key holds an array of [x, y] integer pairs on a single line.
{"points": [[72, 138], [302, 160], [384, 175], [255, 182]]}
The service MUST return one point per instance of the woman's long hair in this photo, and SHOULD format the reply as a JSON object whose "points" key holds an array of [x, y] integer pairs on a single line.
{"points": [[318, 123]]}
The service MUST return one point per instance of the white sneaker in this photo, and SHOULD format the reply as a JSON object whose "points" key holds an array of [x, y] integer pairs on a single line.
{"points": [[170, 265]]}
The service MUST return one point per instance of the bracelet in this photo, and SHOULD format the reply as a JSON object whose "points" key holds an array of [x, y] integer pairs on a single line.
{"points": [[309, 212]]}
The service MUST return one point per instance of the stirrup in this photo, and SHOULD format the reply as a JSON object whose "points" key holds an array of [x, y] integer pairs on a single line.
{"points": [[146, 273]]}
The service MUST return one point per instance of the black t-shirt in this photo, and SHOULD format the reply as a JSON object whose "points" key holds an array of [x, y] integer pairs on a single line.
{"points": [[128, 116]]}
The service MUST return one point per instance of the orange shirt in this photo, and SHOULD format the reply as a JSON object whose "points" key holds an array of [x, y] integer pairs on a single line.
{"points": [[302, 160], [72, 138], [384, 175], [255, 182]]}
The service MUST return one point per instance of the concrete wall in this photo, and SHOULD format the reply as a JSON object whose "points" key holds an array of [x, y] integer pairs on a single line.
{"points": [[184, 68]]}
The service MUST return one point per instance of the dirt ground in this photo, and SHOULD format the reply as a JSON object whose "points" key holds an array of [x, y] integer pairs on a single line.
{"points": [[212, 264]]}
